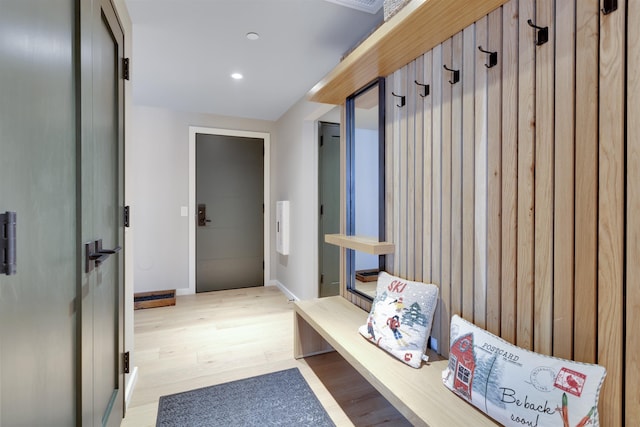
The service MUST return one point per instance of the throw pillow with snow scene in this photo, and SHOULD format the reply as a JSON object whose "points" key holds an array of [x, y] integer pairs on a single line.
{"points": [[401, 316]]}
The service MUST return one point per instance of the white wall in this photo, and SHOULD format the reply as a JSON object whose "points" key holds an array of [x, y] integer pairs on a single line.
{"points": [[161, 184], [160, 181], [294, 169]]}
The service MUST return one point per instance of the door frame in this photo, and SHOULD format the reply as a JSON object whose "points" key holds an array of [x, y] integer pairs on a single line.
{"points": [[266, 137]]}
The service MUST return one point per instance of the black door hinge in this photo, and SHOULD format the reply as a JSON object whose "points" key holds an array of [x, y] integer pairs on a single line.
{"points": [[126, 72], [321, 140], [125, 362], [322, 279], [126, 215], [8, 243]]}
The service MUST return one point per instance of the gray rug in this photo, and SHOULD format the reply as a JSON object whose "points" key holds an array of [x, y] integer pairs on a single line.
{"points": [[278, 399]]}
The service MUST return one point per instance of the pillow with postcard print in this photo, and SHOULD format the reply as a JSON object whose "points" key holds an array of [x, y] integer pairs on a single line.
{"points": [[401, 317], [518, 387]]}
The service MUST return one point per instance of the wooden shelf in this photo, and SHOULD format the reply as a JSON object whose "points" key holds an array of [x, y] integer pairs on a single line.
{"points": [[359, 243], [414, 30]]}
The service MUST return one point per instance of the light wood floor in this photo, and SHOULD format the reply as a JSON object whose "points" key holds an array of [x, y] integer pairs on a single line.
{"points": [[216, 337]]}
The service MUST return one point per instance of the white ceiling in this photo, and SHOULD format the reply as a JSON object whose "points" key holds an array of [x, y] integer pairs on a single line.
{"points": [[184, 51]]}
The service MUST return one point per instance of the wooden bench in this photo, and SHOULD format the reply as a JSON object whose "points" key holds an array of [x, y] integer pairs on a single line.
{"points": [[328, 324]]}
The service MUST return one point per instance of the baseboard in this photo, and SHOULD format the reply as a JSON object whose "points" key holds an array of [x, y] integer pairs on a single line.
{"points": [[284, 290], [184, 291], [131, 384]]}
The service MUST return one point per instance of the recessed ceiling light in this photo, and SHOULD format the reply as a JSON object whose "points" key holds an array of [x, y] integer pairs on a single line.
{"points": [[253, 36], [236, 76]]}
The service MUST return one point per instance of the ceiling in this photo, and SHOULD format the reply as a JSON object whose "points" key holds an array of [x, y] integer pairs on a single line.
{"points": [[184, 51]]}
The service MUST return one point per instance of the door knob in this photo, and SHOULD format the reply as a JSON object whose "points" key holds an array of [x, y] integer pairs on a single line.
{"points": [[95, 254]]}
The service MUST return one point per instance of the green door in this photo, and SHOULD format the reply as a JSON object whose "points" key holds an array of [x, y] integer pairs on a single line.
{"points": [[38, 305], [61, 136], [102, 225], [329, 192]]}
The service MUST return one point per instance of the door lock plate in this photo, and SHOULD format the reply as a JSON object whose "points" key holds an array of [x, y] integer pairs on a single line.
{"points": [[202, 215]]}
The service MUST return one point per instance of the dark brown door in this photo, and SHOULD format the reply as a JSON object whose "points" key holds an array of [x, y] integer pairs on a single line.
{"points": [[230, 231]]}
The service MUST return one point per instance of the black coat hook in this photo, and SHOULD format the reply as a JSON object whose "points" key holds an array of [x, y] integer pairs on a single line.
{"points": [[543, 33], [425, 89], [402, 99], [493, 57], [456, 75], [609, 6]]}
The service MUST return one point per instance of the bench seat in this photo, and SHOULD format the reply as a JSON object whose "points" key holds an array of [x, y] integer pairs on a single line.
{"points": [[327, 324]]}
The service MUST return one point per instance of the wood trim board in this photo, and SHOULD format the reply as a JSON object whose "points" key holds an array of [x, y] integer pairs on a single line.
{"points": [[415, 29]]}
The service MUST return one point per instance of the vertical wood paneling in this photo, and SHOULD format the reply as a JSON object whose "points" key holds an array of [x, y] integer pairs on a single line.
{"points": [[436, 189], [528, 161], [445, 244], [456, 179], [394, 112], [611, 213], [468, 169], [390, 176], [586, 181], [410, 143], [403, 253], [526, 147], [480, 240], [427, 137], [632, 366], [563, 235], [509, 61], [494, 175], [543, 246], [419, 170]]}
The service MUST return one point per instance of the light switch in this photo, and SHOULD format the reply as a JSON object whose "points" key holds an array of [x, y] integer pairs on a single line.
{"points": [[184, 211]]}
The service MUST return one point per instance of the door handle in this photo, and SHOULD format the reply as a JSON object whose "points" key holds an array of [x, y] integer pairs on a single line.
{"points": [[202, 215], [8, 243], [95, 254], [110, 251], [102, 254]]}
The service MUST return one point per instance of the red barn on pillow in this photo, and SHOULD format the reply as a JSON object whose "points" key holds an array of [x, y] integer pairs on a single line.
{"points": [[462, 363]]}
